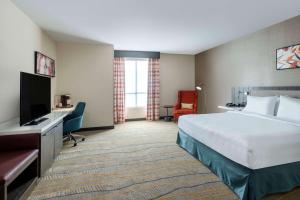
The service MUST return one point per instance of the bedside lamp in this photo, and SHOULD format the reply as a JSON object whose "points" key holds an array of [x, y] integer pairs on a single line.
{"points": [[200, 88]]}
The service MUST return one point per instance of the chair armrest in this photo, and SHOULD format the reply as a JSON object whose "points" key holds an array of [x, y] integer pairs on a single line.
{"points": [[19, 142], [177, 106], [195, 108], [73, 124]]}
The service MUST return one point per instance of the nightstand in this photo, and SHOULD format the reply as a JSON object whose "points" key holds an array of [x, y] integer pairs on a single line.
{"points": [[168, 118]]}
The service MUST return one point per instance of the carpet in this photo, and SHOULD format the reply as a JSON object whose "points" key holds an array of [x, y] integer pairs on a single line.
{"points": [[136, 160]]}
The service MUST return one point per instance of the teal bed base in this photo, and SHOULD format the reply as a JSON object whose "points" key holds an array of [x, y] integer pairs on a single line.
{"points": [[246, 183]]}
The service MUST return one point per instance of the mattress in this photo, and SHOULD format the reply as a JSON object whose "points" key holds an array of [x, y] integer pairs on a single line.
{"points": [[252, 140]]}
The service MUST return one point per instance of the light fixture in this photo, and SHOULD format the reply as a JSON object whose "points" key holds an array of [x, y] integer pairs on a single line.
{"points": [[242, 96], [200, 88], [244, 93]]}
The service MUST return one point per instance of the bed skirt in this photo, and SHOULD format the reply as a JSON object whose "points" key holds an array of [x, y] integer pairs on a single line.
{"points": [[246, 183]]}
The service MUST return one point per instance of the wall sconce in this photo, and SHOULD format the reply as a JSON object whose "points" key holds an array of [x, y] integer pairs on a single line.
{"points": [[241, 96]]}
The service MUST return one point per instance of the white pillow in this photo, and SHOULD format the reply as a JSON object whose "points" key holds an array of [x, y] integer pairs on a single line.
{"points": [[289, 108], [261, 105]]}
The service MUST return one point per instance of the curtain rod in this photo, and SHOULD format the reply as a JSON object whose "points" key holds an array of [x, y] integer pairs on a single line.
{"points": [[136, 54]]}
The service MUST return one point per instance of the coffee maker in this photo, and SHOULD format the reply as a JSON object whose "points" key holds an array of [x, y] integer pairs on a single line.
{"points": [[65, 100]]}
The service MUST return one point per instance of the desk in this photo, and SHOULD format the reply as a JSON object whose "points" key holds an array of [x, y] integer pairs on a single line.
{"points": [[64, 109], [13, 127], [227, 108], [50, 133]]}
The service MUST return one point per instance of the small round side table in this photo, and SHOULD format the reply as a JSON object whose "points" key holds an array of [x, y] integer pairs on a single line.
{"points": [[168, 117]]}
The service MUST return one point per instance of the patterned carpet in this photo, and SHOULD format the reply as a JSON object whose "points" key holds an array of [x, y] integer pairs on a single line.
{"points": [[136, 160]]}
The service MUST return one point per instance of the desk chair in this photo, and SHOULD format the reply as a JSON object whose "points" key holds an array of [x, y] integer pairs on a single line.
{"points": [[73, 122]]}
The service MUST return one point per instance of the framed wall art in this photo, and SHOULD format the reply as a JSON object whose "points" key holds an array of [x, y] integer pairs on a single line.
{"points": [[288, 57], [44, 65]]}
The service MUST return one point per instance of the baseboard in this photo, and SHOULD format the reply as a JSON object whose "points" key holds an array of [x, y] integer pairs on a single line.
{"points": [[136, 119], [162, 117], [96, 128], [142, 119]]}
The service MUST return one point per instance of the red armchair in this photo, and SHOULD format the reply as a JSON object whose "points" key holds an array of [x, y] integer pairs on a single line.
{"points": [[187, 96]]}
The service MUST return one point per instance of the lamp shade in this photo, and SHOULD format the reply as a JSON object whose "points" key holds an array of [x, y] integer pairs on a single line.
{"points": [[199, 88]]}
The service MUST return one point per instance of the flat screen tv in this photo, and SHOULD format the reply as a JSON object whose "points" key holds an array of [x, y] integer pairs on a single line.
{"points": [[35, 98]]}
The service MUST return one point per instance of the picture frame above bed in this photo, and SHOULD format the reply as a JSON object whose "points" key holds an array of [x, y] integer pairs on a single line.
{"points": [[44, 65], [288, 57]]}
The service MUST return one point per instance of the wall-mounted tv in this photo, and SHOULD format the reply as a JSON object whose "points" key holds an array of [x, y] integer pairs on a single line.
{"points": [[35, 98]]}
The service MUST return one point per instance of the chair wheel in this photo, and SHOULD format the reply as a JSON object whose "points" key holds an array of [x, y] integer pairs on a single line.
{"points": [[83, 139], [75, 144]]}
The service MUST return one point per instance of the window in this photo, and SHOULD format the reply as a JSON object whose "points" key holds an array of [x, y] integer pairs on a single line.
{"points": [[136, 80]]}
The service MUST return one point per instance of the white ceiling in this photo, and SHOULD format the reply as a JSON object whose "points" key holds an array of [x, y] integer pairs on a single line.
{"points": [[170, 26]]}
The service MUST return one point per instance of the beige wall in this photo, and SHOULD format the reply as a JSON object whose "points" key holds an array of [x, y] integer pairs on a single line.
{"points": [[19, 38], [248, 61], [177, 72], [86, 72]]}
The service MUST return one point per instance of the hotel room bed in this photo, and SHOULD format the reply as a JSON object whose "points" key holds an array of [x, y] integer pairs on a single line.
{"points": [[253, 154]]}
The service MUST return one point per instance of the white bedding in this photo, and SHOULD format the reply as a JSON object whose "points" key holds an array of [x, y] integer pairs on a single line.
{"points": [[252, 140]]}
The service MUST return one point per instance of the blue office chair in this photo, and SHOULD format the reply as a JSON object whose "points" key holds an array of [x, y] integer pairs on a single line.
{"points": [[73, 122]]}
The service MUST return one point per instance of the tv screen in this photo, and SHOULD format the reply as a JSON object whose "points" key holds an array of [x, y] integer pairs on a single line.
{"points": [[35, 97]]}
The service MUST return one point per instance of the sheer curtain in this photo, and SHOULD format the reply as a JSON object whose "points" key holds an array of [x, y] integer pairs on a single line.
{"points": [[153, 90], [119, 90]]}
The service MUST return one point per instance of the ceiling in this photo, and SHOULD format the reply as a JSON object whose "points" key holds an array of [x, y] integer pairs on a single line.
{"points": [[169, 26]]}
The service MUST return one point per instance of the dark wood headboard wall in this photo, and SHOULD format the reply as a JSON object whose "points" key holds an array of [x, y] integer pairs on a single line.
{"points": [[239, 94]]}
